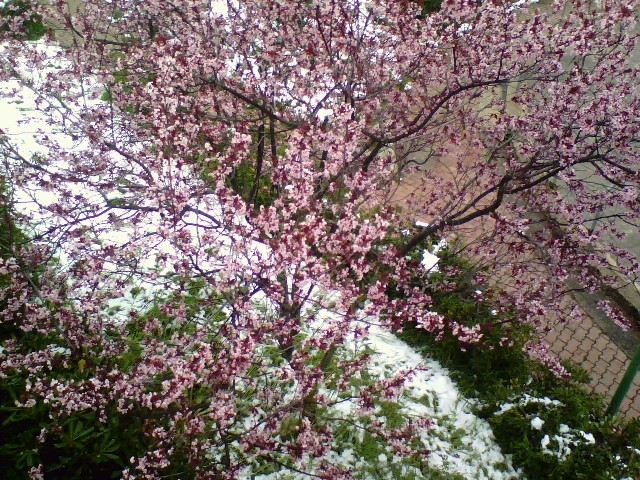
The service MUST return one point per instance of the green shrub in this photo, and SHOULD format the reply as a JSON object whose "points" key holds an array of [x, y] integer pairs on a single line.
{"points": [[33, 27], [554, 428]]}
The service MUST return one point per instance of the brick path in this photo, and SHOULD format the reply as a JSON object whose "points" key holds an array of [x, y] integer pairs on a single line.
{"points": [[587, 344]]}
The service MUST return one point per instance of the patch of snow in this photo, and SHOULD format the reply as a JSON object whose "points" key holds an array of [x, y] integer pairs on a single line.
{"points": [[521, 4], [537, 423], [588, 437], [526, 400], [324, 113], [431, 393], [458, 442], [430, 259], [561, 445]]}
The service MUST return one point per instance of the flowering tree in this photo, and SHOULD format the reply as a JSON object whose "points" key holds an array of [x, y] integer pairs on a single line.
{"points": [[239, 160]]}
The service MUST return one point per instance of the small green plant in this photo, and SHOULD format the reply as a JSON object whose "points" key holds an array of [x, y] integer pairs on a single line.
{"points": [[33, 28]]}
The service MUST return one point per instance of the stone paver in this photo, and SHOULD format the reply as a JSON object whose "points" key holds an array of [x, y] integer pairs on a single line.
{"points": [[591, 348]]}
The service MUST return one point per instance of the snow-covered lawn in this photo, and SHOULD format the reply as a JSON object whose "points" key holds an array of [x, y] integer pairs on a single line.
{"points": [[460, 445], [459, 441]]}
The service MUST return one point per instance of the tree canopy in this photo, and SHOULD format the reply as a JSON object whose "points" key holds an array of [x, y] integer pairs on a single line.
{"points": [[239, 162]]}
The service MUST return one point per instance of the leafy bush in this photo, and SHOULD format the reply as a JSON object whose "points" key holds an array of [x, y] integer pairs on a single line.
{"points": [[32, 27], [93, 441]]}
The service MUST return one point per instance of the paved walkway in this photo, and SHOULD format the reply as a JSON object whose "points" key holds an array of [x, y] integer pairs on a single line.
{"points": [[602, 349], [587, 345]]}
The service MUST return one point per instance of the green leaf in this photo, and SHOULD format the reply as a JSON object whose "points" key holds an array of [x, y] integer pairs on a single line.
{"points": [[107, 96]]}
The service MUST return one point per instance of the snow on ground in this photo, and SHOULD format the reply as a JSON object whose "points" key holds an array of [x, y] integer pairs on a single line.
{"points": [[460, 443], [430, 259], [474, 455]]}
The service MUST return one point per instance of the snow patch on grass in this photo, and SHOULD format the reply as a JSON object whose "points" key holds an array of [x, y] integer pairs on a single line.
{"points": [[460, 443]]}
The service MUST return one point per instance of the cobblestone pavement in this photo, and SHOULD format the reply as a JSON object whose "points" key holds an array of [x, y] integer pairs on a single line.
{"points": [[588, 345]]}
